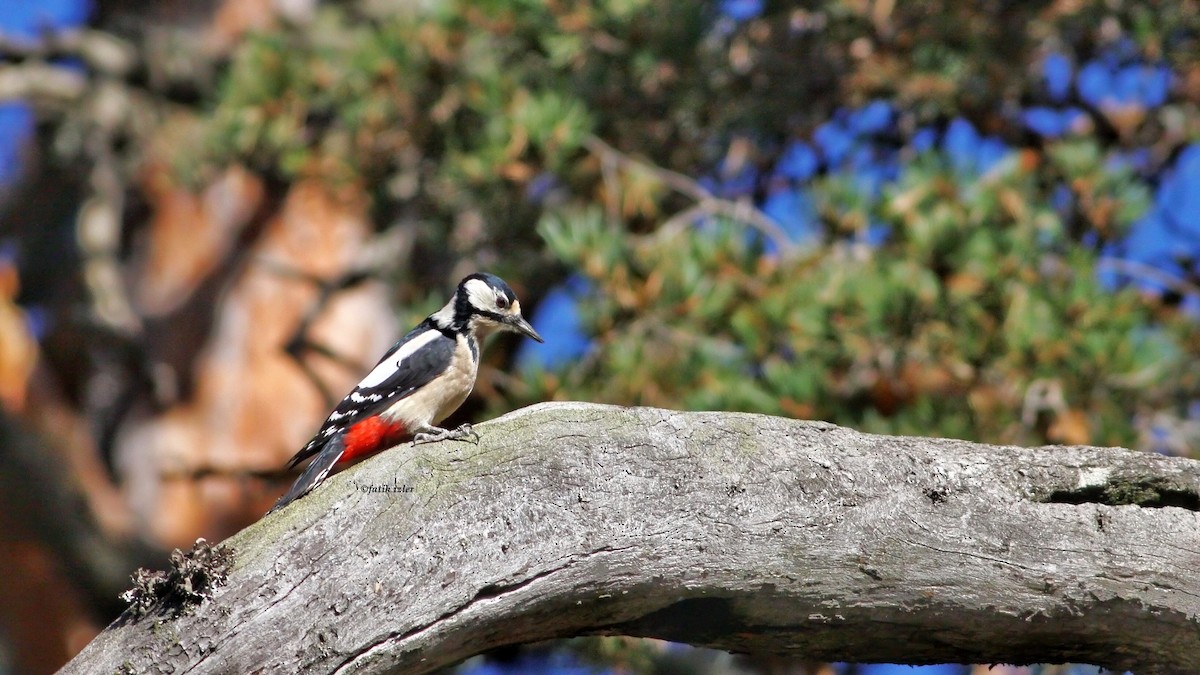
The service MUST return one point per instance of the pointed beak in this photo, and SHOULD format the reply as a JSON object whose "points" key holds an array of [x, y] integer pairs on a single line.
{"points": [[520, 325]]}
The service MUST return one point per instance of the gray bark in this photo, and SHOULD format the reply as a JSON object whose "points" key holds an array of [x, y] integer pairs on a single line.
{"points": [[728, 530]]}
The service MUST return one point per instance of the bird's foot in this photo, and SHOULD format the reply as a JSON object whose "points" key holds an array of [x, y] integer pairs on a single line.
{"points": [[463, 432]]}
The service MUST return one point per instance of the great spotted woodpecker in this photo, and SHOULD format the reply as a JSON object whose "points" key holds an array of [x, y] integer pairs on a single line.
{"points": [[421, 380]]}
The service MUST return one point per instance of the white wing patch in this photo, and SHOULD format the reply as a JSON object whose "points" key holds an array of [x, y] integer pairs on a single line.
{"points": [[389, 365], [431, 405]]}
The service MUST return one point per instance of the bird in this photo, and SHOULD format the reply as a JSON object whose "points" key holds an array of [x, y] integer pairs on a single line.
{"points": [[420, 381]]}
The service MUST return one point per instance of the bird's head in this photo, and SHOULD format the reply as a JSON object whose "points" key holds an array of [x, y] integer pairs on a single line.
{"points": [[488, 304]]}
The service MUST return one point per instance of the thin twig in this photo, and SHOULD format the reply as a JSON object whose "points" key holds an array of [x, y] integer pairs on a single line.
{"points": [[706, 201], [680, 221], [41, 82], [1144, 272], [300, 343], [101, 51]]}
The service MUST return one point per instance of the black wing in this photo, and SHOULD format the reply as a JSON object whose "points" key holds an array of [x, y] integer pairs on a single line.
{"points": [[414, 361]]}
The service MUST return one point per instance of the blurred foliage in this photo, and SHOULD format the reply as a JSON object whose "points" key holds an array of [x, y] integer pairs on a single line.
{"points": [[962, 325], [968, 219], [979, 315]]}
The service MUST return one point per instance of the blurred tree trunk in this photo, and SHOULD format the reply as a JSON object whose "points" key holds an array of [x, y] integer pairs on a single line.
{"points": [[171, 382], [741, 532]]}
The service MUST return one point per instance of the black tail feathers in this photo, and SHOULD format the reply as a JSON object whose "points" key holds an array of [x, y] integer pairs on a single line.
{"points": [[316, 472]]}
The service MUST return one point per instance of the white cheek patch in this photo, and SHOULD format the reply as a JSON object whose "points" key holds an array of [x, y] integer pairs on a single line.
{"points": [[480, 294], [388, 366]]}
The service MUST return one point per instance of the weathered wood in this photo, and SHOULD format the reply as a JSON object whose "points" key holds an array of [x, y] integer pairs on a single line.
{"points": [[736, 531]]}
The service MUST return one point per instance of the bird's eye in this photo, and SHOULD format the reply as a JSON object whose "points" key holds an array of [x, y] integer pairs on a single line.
{"points": [[502, 302]]}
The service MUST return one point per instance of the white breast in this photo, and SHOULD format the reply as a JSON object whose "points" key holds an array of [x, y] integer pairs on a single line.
{"points": [[434, 402]]}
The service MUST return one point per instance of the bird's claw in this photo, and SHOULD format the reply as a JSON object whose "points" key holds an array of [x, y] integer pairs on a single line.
{"points": [[467, 431], [463, 432]]}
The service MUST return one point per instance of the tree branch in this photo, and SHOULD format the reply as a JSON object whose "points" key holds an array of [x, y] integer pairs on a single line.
{"points": [[736, 531]]}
